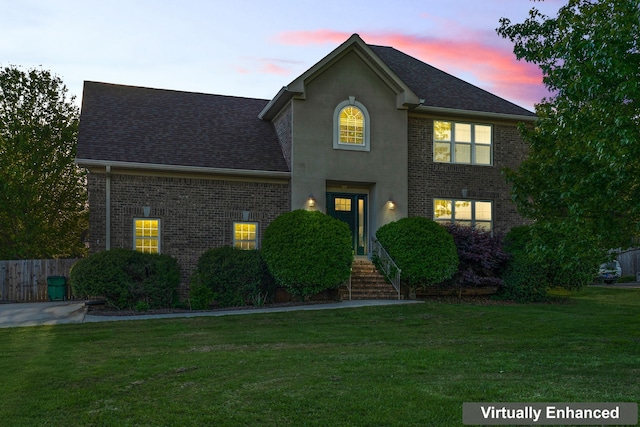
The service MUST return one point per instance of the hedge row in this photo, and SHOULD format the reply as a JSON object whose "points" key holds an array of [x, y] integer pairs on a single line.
{"points": [[455, 256], [308, 252]]}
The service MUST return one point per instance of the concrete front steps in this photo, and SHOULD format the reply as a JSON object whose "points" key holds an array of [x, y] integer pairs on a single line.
{"points": [[367, 283]]}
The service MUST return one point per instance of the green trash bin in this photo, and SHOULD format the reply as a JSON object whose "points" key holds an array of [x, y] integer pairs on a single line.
{"points": [[57, 288]]}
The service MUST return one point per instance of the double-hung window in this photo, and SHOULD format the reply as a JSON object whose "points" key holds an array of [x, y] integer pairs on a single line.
{"points": [[245, 235], [472, 213], [146, 235], [465, 143]]}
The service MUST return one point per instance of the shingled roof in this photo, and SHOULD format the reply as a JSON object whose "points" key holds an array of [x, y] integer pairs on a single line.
{"points": [[442, 90], [163, 127]]}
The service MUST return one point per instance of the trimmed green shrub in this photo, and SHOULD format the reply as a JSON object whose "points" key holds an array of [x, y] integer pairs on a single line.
{"points": [[161, 281], [232, 277], [308, 252], [126, 277], [422, 248]]}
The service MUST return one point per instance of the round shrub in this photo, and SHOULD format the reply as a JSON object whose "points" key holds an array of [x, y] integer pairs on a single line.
{"points": [[308, 252], [231, 276], [126, 277], [422, 248]]}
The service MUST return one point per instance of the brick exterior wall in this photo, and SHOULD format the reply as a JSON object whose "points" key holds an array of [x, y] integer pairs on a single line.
{"points": [[429, 180], [284, 128], [195, 214]]}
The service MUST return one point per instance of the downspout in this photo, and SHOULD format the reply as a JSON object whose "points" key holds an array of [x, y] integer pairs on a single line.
{"points": [[108, 209]]}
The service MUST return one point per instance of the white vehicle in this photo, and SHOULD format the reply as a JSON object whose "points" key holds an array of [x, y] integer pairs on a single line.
{"points": [[610, 272]]}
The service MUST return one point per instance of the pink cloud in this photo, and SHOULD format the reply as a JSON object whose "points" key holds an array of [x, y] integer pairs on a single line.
{"points": [[281, 67], [486, 58], [272, 68]]}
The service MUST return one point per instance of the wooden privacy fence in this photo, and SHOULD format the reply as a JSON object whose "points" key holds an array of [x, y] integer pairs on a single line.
{"points": [[26, 280], [630, 262]]}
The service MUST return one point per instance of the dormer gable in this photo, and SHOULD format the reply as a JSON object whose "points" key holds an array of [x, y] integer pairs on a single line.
{"points": [[405, 96]]}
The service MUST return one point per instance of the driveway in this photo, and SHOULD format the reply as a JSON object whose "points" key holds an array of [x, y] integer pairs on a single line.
{"points": [[42, 313]]}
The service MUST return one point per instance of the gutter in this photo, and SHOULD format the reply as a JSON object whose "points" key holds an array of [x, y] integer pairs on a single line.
{"points": [[276, 104], [107, 236], [459, 112], [184, 169]]}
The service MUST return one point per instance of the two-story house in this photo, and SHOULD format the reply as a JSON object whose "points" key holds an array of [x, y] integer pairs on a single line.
{"points": [[368, 135]]}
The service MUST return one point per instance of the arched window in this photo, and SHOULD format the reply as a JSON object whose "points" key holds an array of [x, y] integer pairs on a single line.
{"points": [[351, 126]]}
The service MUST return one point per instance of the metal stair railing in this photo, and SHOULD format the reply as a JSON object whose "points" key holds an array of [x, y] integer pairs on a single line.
{"points": [[383, 261]]}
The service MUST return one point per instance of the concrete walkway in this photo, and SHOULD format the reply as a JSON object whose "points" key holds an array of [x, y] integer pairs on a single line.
{"points": [[57, 313]]}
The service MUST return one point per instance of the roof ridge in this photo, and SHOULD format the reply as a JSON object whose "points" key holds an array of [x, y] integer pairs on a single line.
{"points": [[127, 86]]}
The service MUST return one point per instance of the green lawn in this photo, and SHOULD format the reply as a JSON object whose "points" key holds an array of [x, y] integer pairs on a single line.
{"points": [[408, 365]]}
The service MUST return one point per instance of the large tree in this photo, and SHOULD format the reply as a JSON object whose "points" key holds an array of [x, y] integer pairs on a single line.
{"points": [[582, 176], [43, 199]]}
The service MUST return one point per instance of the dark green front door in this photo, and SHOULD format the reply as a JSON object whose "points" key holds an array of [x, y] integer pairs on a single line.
{"points": [[352, 209]]}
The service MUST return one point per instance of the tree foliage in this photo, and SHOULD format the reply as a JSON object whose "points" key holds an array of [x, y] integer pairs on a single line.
{"points": [[42, 192], [582, 176], [531, 272]]}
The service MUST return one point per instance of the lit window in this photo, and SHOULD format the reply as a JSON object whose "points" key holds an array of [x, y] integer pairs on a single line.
{"points": [[470, 213], [342, 205], [146, 235], [245, 235], [462, 143], [351, 126]]}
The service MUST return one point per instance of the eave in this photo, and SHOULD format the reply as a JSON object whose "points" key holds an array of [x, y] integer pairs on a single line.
{"points": [[475, 114], [153, 167]]}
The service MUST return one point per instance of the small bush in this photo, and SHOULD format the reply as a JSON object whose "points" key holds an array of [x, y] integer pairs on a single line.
{"points": [[422, 248], [308, 252], [525, 279], [201, 296], [231, 276], [482, 259], [538, 265], [126, 277]]}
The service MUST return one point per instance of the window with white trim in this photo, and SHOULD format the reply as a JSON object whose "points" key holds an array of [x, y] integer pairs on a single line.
{"points": [[351, 126], [245, 235], [146, 235], [477, 214], [465, 143]]}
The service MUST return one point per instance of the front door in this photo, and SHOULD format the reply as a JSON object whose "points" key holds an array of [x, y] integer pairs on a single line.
{"points": [[352, 209]]}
